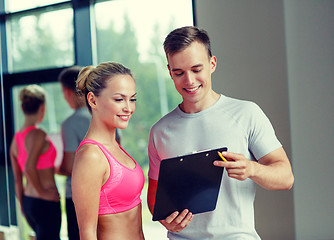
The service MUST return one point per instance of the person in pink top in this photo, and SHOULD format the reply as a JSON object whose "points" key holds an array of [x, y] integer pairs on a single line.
{"points": [[106, 181], [33, 156]]}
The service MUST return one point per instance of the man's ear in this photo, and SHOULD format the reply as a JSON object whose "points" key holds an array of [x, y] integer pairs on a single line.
{"points": [[213, 63], [91, 99], [170, 73]]}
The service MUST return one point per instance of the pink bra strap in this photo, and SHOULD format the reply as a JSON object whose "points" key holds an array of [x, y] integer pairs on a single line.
{"points": [[85, 141]]}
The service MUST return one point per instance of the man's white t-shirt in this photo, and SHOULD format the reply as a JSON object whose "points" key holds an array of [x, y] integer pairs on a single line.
{"points": [[242, 127]]}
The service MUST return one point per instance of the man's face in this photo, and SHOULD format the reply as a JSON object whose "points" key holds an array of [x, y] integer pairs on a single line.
{"points": [[191, 71]]}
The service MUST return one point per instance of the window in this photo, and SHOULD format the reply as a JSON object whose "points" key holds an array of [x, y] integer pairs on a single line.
{"points": [[18, 5], [35, 40]]}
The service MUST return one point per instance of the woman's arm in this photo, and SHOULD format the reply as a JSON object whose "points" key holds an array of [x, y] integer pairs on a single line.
{"points": [[88, 175], [16, 171]]}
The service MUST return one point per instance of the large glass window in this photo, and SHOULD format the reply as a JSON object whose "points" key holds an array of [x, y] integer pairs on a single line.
{"points": [[40, 39]]}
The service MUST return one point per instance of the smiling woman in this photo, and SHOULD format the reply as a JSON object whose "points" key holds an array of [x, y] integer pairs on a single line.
{"points": [[106, 181]]}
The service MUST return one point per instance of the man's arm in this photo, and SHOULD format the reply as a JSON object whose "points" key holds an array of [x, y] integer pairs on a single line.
{"points": [[70, 144], [151, 193], [272, 171], [67, 164]]}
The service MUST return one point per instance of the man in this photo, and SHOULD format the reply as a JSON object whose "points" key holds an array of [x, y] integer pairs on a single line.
{"points": [[208, 120], [73, 130]]}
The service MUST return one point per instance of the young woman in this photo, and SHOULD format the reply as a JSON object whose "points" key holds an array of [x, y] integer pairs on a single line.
{"points": [[33, 156], [106, 180]]}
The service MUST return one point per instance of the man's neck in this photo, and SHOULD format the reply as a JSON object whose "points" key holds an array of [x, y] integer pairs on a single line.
{"points": [[195, 107]]}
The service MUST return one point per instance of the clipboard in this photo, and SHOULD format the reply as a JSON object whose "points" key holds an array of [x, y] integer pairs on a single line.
{"points": [[188, 182]]}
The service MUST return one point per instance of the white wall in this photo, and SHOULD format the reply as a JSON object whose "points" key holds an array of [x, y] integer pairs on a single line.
{"points": [[248, 39], [280, 54], [310, 52]]}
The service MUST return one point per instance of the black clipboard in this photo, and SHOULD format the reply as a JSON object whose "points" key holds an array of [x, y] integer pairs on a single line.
{"points": [[188, 182]]}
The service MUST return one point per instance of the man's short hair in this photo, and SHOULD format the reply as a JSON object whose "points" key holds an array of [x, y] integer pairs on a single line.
{"points": [[68, 77], [181, 38]]}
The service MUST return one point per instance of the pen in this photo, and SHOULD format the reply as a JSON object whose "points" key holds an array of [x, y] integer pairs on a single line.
{"points": [[221, 156]]}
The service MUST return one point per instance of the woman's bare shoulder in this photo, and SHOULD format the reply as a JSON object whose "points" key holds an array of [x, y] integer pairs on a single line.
{"points": [[91, 157]]}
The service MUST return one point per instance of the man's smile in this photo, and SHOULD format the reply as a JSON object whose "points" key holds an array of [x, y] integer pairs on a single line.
{"points": [[192, 90]]}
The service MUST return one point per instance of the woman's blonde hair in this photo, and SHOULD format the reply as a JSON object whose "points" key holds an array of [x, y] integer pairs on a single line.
{"points": [[32, 97], [94, 79]]}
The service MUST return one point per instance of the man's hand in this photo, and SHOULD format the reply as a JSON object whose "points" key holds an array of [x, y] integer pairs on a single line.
{"points": [[272, 171], [177, 222], [237, 165]]}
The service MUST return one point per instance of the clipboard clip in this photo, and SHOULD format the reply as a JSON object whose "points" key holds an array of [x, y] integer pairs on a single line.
{"points": [[205, 150]]}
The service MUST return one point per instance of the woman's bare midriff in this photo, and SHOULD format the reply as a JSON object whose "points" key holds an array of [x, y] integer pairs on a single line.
{"points": [[120, 226]]}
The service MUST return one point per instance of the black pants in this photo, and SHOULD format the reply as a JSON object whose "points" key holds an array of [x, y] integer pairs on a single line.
{"points": [[43, 216], [72, 224]]}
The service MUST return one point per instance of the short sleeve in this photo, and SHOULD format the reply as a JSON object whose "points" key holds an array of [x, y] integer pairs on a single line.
{"points": [[262, 138], [69, 138], [154, 160]]}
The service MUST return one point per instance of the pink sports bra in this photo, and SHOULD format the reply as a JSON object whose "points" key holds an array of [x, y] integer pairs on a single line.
{"points": [[46, 160], [122, 190]]}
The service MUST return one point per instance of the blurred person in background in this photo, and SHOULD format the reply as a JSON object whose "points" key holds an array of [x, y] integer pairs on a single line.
{"points": [[33, 156], [73, 130]]}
